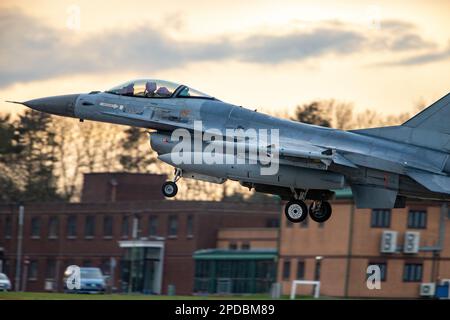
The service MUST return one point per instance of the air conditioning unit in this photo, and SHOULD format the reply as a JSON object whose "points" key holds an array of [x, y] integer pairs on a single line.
{"points": [[412, 240], [388, 242], [427, 289]]}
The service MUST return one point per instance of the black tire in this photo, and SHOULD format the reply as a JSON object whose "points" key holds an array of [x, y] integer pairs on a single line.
{"points": [[321, 215], [296, 211], [169, 189]]}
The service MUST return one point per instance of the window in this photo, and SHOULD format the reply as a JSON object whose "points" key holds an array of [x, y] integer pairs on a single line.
{"points": [[107, 226], [173, 226], [106, 266], [245, 246], [53, 227], [35, 227], [300, 270], [50, 271], [87, 263], [190, 226], [286, 270], [383, 269], [71, 226], [33, 270], [146, 88], [153, 226], [381, 218], [412, 272], [125, 227], [187, 92], [8, 227], [232, 246], [89, 226], [304, 223], [417, 219], [272, 223]]}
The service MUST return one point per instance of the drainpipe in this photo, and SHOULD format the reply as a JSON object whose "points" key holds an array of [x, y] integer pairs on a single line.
{"points": [[19, 248], [349, 250]]}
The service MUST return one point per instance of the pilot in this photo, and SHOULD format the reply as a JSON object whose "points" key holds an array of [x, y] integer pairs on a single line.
{"points": [[128, 90], [163, 92], [150, 88]]}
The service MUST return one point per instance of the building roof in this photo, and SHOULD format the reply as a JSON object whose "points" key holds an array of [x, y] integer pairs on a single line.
{"points": [[343, 193], [224, 254]]}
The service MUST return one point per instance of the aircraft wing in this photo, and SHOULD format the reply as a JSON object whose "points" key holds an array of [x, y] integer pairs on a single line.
{"points": [[433, 182]]}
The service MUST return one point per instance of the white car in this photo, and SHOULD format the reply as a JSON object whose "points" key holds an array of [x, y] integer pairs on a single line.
{"points": [[5, 284]]}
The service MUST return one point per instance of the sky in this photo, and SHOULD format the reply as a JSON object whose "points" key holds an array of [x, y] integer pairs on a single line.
{"points": [[387, 56]]}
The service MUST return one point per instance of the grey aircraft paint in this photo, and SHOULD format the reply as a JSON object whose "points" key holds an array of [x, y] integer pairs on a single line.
{"points": [[383, 166]]}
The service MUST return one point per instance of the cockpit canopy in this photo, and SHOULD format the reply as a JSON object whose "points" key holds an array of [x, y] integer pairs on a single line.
{"points": [[152, 88]]}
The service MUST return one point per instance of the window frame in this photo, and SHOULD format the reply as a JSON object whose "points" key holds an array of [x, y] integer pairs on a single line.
{"points": [[417, 219], [33, 234], [301, 263], [51, 220], [89, 218], [380, 218], [286, 272], [108, 234], [71, 221], [169, 226], [383, 269], [410, 272]]}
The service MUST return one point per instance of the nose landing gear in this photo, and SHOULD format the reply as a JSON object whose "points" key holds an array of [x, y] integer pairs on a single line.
{"points": [[170, 188]]}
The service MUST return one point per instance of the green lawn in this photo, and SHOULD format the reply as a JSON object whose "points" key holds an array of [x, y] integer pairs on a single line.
{"points": [[65, 296]]}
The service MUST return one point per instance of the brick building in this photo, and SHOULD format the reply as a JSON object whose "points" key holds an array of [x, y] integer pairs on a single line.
{"points": [[339, 251], [99, 230], [223, 247]]}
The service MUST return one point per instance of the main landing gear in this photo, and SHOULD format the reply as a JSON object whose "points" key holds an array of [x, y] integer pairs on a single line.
{"points": [[296, 210], [170, 188]]}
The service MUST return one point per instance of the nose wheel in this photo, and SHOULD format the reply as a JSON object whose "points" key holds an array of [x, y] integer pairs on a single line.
{"points": [[170, 188], [320, 211], [296, 211]]}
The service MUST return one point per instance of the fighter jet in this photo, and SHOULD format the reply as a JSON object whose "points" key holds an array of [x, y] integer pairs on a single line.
{"points": [[382, 166]]}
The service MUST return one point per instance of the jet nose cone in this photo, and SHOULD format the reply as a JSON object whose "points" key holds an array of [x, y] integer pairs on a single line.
{"points": [[59, 105]]}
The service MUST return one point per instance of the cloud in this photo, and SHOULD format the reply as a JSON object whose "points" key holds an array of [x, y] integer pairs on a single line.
{"points": [[33, 51], [424, 58]]}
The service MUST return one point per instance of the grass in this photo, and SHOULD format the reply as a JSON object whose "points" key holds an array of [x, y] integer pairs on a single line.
{"points": [[65, 296]]}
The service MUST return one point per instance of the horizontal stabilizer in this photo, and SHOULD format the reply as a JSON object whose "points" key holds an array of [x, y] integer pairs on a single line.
{"points": [[433, 182]]}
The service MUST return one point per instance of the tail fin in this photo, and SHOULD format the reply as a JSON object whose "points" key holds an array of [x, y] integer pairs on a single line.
{"points": [[429, 128], [436, 117]]}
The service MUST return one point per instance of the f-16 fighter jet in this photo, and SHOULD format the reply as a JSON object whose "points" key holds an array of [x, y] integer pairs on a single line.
{"points": [[208, 139]]}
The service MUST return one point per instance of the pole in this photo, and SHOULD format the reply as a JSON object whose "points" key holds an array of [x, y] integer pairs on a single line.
{"points": [[134, 235], [19, 248]]}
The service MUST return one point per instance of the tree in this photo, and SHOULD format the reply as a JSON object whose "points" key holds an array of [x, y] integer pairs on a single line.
{"points": [[313, 113], [9, 184], [137, 154], [35, 156]]}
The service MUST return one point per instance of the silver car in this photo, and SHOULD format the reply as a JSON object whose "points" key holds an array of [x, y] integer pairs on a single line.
{"points": [[5, 284]]}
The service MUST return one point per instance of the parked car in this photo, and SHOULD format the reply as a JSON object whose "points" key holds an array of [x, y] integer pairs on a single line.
{"points": [[91, 281], [5, 284]]}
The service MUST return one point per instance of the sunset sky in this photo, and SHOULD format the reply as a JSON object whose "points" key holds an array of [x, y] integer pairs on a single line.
{"points": [[384, 55]]}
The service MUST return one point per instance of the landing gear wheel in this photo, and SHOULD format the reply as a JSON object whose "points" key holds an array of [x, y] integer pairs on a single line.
{"points": [[320, 211], [296, 211], [169, 189]]}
